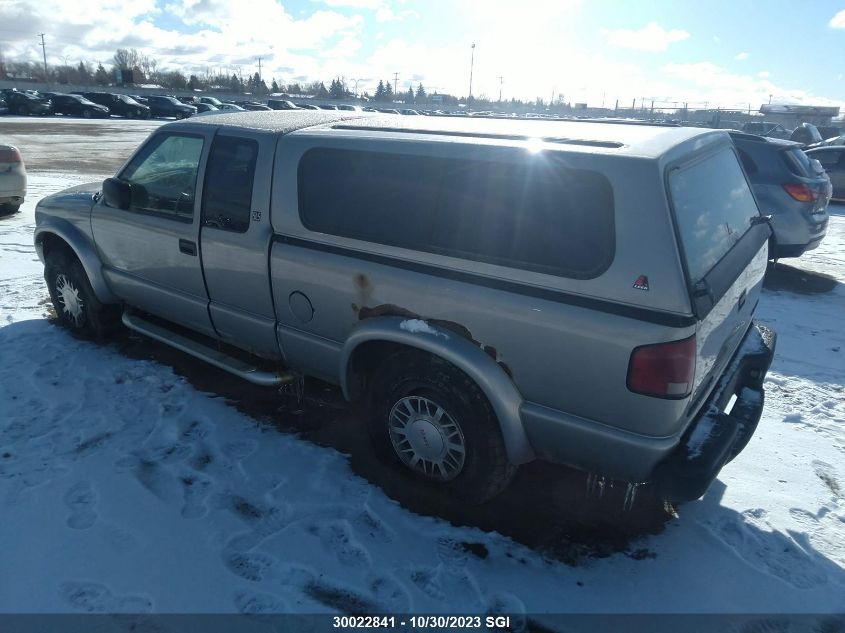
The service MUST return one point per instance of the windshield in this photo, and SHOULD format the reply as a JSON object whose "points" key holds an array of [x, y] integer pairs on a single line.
{"points": [[128, 100]]}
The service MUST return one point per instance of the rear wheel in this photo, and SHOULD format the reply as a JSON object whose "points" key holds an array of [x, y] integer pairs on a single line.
{"points": [[76, 305], [430, 418], [9, 208]]}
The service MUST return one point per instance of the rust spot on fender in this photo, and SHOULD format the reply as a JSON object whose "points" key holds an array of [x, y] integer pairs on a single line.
{"points": [[390, 309]]}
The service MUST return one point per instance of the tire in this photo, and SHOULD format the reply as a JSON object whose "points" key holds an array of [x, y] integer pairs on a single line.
{"points": [[9, 208], [446, 403], [76, 305]]}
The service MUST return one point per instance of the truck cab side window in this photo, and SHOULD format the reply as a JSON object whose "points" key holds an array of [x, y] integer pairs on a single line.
{"points": [[163, 176], [227, 193]]}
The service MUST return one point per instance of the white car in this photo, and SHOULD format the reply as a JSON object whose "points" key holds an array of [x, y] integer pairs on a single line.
{"points": [[12, 179]]}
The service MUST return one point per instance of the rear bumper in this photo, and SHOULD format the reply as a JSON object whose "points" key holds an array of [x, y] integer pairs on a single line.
{"points": [[797, 242], [715, 437]]}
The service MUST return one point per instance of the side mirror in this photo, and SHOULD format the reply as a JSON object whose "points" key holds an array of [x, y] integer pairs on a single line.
{"points": [[117, 193]]}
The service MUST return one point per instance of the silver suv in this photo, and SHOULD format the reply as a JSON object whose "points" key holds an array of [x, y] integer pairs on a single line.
{"points": [[496, 291]]}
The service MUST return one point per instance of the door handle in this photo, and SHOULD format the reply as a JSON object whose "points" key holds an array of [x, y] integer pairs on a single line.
{"points": [[188, 247]]}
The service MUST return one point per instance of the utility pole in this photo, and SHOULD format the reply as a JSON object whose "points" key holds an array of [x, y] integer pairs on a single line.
{"points": [[44, 50], [471, 64], [395, 81], [501, 79], [259, 68]]}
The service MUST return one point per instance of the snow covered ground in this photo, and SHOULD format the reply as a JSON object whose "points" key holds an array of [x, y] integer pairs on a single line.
{"points": [[123, 488]]}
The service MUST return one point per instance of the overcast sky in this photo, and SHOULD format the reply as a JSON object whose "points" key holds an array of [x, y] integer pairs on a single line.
{"points": [[731, 53]]}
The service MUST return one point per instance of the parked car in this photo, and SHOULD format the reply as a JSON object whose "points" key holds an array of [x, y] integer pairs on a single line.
{"points": [[409, 112], [349, 108], [832, 158], [307, 106], [764, 128], [25, 104], [281, 104], [120, 104], [830, 131], [202, 108], [806, 134], [210, 101], [491, 302], [12, 179], [140, 99], [252, 105], [790, 187], [162, 106], [77, 105], [230, 107]]}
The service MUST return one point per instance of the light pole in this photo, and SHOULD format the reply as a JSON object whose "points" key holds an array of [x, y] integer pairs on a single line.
{"points": [[356, 87], [471, 64]]}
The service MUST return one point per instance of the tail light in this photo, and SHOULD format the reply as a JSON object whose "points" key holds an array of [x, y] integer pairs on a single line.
{"points": [[664, 370], [10, 155], [801, 192]]}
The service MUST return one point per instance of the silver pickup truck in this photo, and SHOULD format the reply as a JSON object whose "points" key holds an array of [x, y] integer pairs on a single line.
{"points": [[495, 291]]}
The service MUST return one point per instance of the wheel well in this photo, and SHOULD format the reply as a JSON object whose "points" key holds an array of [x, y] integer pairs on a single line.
{"points": [[365, 359], [51, 243]]}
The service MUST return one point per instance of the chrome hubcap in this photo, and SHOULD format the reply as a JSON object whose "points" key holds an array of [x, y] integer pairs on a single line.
{"points": [[69, 299], [426, 438]]}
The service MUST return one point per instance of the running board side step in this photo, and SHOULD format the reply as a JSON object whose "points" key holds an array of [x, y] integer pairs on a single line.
{"points": [[206, 353]]}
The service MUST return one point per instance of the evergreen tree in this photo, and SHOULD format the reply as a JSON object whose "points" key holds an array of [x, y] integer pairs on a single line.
{"points": [[388, 92], [421, 95], [235, 84], [274, 86], [322, 93], [379, 96], [84, 74], [101, 77], [337, 89], [409, 98], [193, 82]]}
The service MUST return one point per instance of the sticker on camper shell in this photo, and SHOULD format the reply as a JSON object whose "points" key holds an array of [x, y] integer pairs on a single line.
{"points": [[641, 283]]}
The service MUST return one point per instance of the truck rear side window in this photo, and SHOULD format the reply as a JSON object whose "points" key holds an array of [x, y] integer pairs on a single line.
{"points": [[530, 214], [229, 176], [713, 208]]}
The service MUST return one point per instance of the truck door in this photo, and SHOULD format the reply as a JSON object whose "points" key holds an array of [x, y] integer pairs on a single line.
{"points": [[150, 251], [235, 239]]}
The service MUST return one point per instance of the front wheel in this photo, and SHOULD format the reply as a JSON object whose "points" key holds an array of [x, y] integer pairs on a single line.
{"points": [[9, 208], [432, 419], [73, 298]]}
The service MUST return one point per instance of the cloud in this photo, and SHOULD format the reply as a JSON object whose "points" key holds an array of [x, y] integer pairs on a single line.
{"points": [[764, 74], [741, 56], [652, 37], [355, 4], [838, 20], [705, 81]]}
